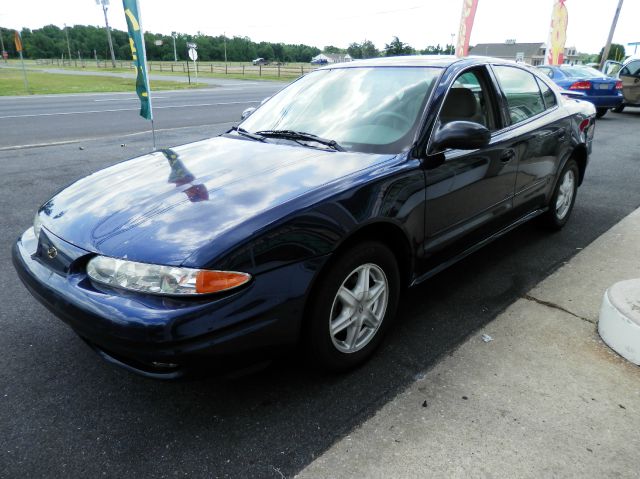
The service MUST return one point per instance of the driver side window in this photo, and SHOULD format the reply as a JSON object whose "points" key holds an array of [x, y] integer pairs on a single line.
{"points": [[468, 100]]}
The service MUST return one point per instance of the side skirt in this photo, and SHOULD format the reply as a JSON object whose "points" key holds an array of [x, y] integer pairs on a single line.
{"points": [[477, 246]]}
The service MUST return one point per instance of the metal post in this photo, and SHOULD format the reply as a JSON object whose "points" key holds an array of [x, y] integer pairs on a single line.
{"points": [[66, 31], [607, 47], [105, 4], [175, 52], [24, 73], [225, 48]]}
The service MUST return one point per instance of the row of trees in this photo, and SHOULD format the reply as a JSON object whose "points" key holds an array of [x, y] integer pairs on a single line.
{"points": [[396, 47], [87, 41]]}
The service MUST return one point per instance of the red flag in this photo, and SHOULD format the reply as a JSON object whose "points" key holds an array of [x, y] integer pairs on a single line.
{"points": [[469, 8]]}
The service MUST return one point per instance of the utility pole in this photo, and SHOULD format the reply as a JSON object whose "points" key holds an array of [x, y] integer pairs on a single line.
{"points": [[66, 31], [225, 48], [105, 5], [175, 52], [607, 47]]}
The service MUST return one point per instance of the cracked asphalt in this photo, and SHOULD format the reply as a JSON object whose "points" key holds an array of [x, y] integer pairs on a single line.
{"points": [[63, 412]]}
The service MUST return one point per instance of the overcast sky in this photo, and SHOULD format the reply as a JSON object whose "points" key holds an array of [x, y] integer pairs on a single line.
{"points": [[333, 22]]}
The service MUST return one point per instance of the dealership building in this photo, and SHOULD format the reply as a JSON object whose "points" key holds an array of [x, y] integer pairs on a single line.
{"points": [[531, 53]]}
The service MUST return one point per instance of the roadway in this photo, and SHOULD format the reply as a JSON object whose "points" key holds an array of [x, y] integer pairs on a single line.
{"points": [[42, 120], [65, 413]]}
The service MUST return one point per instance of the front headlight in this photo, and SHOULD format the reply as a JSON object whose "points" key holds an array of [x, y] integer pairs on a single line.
{"points": [[163, 280], [37, 225]]}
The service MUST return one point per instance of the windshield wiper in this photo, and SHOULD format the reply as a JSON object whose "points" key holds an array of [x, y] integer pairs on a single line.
{"points": [[248, 134], [300, 135]]}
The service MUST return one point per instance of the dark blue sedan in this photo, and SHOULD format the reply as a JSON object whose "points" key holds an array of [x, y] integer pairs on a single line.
{"points": [[303, 224], [603, 91]]}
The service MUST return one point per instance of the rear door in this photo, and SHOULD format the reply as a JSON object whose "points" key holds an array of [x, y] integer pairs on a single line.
{"points": [[630, 77]]}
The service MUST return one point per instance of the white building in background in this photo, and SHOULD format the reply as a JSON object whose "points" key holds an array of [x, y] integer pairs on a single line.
{"points": [[331, 58], [531, 53]]}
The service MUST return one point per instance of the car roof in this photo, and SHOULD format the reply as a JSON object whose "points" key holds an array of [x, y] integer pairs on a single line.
{"points": [[440, 61]]}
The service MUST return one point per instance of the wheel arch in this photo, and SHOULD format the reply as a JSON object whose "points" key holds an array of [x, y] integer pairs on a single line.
{"points": [[580, 154], [387, 233]]}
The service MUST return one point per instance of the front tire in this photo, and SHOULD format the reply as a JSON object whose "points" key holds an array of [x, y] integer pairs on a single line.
{"points": [[352, 307], [564, 197], [619, 109], [600, 112]]}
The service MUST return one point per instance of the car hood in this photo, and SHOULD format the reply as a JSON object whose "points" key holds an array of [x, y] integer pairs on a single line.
{"points": [[162, 207]]}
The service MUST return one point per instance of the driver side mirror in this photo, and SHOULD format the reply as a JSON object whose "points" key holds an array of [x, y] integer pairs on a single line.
{"points": [[461, 135]]}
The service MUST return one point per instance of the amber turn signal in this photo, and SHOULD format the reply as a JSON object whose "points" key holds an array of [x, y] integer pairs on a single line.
{"points": [[215, 281]]}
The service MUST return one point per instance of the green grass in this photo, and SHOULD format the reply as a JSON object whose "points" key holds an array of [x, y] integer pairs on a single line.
{"points": [[12, 83]]}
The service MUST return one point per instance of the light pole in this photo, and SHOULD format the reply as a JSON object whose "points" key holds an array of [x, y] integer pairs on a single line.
{"points": [[452, 46], [175, 53], [66, 31], [105, 5], [224, 35]]}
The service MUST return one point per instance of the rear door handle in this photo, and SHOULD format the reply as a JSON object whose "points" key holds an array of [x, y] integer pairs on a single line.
{"points": [[507, 156]]}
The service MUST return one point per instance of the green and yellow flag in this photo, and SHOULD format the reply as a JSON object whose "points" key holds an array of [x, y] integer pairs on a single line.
{"points": [[139, 54]]}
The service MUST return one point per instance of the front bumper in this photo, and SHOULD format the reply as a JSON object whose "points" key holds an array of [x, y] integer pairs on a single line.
{"points": [[168, 337]]}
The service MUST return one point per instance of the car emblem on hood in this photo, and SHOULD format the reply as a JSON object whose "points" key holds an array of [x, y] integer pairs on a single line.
{"points": [[52, 252]]}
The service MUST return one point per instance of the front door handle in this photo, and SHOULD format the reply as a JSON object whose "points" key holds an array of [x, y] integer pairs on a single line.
{"points": [[507, 156]]}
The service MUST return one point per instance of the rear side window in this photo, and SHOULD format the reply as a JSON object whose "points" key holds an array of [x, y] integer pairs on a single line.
{"points": [[521, 90], [547, 95], [632, 69]]}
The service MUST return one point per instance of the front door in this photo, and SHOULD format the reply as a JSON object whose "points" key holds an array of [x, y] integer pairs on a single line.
{"points": [[469, 192], [630, 78]]}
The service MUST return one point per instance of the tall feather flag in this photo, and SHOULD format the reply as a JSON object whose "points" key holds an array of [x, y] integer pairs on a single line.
{"points": [[469, 8], [139, 54], [557, 33]]}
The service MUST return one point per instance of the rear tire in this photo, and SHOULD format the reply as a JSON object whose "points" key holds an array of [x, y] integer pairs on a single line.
{"points": [[564, 197], [352, 307], [619, 109], [600, 112]]}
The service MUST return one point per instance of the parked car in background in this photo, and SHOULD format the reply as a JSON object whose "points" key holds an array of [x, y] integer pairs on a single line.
{"points": [[319, 61], [304, 223], [601, 90], [260, 61], [627, 72]]}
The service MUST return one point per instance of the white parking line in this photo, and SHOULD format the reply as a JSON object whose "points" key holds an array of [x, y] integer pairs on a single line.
{"points": [[129, 109]]}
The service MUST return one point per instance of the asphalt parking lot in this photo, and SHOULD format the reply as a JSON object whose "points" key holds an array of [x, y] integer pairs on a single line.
{"points": [[65, 413]]}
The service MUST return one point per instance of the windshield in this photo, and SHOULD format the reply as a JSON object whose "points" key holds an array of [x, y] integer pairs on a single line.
{"points": [[363, 109], [583, 72]]}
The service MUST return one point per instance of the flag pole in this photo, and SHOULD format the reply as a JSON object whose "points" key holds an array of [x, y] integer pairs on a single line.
{"points": [[24, 73], [153, 133]]}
